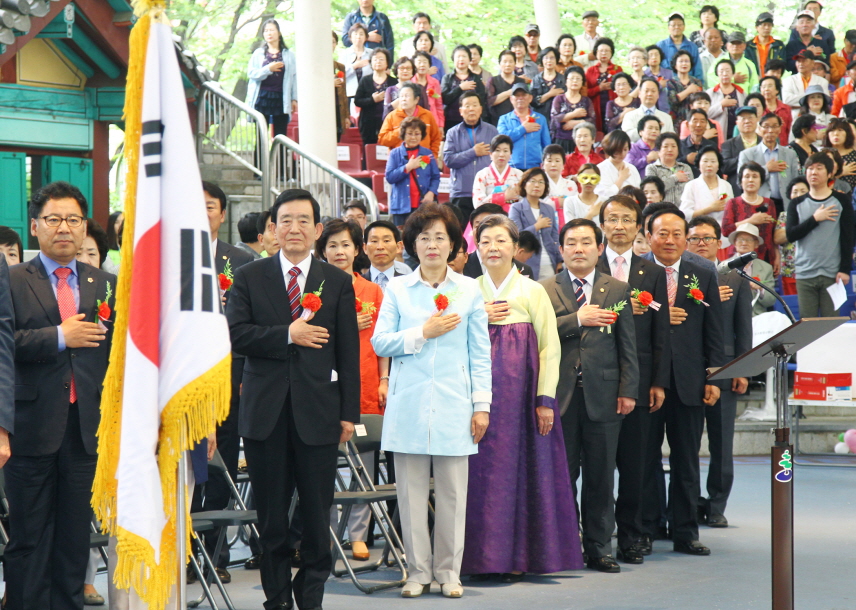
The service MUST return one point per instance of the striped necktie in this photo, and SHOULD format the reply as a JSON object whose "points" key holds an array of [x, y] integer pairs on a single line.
{"points": [[578, 292], [671, 285], [294, 293]]}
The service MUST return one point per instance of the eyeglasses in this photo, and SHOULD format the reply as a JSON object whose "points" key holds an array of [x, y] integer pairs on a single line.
{"points": [[54, 221], [696, 240], [614, 221], [589, 179], [424, 240]]}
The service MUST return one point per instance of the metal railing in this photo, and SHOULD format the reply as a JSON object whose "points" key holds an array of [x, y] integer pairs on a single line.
{"points": [[294, 167], [235, 128]]}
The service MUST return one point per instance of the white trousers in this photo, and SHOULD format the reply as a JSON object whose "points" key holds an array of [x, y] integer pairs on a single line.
{"points": [[412, 475]]}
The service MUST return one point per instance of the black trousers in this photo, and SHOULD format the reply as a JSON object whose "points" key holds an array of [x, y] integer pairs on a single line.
{"points": [[683, 426], [630, 461], [591, 447], [215, 493], [49, 519], [720, 436], [276, 466]]}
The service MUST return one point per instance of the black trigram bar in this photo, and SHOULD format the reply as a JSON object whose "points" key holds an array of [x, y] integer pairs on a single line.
{"points": [[152, 148], [206, 250], [150, 127], [187, 270]]}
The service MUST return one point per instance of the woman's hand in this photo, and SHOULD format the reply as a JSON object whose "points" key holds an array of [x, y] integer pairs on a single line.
{"points": [[543, 222], [364, 321], [479, 425], [728, 102], [545, 417], [605, 86], [716, 206], [849, 169], [681, 176], [468, 85], [413, 163], [276, 66], [760, 218], [429, 197], [711, 133], [382, 392], [360, 63], [623, 175], [438, 324], [496, 312], [378, 96]]}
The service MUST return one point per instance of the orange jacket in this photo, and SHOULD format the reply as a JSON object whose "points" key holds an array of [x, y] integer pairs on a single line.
{"points": [[389, 130], [839, 98]]}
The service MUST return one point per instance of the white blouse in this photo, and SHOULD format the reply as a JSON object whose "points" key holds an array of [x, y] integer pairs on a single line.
{"points": [[608, 176], [698, 196]]}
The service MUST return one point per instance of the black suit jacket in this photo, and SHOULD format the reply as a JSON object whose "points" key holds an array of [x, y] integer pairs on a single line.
{"points": [[652, 327], [42, 373], [608, 360], [731, 150], [473, 268], [259, 320], [736, 316], [7, 351], [227, 253], [697, 342]]}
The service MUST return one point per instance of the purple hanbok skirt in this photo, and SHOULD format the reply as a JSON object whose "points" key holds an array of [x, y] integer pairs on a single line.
{"points": [[520, 507]]}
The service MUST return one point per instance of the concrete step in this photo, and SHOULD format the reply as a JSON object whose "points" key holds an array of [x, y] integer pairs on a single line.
{"points": [[241, 187], [215, 172]]}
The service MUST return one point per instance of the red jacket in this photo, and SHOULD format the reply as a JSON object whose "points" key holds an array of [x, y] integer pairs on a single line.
{"points": [[592, 75]]}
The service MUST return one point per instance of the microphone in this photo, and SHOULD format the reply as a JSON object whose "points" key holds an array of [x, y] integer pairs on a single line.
{"points": [[736, 262]]}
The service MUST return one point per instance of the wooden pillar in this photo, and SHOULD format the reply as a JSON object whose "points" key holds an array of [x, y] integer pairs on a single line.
{"points": [[100, 203]]}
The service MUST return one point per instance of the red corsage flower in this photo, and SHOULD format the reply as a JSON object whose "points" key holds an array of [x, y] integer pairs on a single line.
{"points": [[104, 311], [441, 301], [311, 302], [531, 119], [424, 160], [340, 74], [225, 282], [102, 308], [695, 292], [644, 298]]}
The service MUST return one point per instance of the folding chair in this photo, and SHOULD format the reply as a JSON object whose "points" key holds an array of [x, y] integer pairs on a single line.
{"points": [[222, 519], [350, 160], [360, 492], [376, 156]]}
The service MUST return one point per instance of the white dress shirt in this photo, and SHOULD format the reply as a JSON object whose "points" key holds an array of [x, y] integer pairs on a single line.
{"points": [[628, 125], [287, 265]]}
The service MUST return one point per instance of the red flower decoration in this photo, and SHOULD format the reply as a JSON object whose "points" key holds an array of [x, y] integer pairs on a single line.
{"points": [[426, 159], [311, 301], [697, 294], [757, 279], [359, 306], [441, 301], [225, 282], [531, 119], [104, 311], [340, 74], [645, 298]]}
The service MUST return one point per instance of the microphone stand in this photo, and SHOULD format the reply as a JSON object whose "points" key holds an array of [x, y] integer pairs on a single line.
{"points": [[779, 298]]}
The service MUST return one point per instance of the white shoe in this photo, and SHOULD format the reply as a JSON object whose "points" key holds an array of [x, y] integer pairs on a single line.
{"points": [[450, 589], [414, 589]]}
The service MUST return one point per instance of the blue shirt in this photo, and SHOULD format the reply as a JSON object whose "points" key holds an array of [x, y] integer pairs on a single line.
{"points": [[51, 266], [670, 49], [528, 146]]}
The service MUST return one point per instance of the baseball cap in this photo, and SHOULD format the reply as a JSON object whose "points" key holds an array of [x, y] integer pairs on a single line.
{"points": [[673, 15], [808, 14], [764, 18], [805, 54], [533, 27], [850, 36], [736, 37], [588, 14], [519, 87], [750, 109]]}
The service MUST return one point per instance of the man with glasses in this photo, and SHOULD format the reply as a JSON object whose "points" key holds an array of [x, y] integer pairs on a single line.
{"points": [[61, 358], [621, 219], [781, 162]]}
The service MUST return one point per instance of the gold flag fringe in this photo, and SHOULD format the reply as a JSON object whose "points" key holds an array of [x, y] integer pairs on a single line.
{"points": [[195, 407]]}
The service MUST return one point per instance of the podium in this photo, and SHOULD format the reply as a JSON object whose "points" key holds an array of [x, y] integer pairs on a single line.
{"points": [[775, 352]]}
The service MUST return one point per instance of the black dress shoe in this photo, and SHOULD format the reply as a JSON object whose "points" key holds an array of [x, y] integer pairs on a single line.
{"points": [[631, 554], [693, 547], [191, 575], [645, 545], [510, 578], [717, 521], [604, 564], [224, 575], [481, 577], [252, 563], [285, 606]]}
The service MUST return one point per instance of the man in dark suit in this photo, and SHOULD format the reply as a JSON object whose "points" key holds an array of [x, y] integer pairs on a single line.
{"points": [[215, 494], [300, 395], [474, 268], [382, 245], [692, 145], [621, 219], [747, 124], [696, 342], [600, 378], [7, 362], [61, 357], [705, 238]]}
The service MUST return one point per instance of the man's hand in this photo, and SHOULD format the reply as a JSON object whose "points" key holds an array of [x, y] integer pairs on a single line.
{"points": [[439, 324], [740, 78], [593, 315], [5, 448], [496, 312], [638, 310], [305, 334], [691, 158], [725, 293], [212, 445], [656, 396], [374, 36], [842, 277], [711, 395], [825, 213], [479, 425], [677, 315], [739, 385], [347, 431], [78, 333], [530, 127], [481, 149], [364, 321], [625, 405]]}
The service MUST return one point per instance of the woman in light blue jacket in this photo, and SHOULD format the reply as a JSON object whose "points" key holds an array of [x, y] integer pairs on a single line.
{"points": [[433, 326], [539, 218], [273, 79]]}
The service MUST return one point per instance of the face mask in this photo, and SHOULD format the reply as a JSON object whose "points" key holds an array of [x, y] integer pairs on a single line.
{"points": [[592, 179]]}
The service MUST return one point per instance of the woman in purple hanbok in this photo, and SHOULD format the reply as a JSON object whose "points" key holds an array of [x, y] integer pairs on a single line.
{"points": [[521, 515]]}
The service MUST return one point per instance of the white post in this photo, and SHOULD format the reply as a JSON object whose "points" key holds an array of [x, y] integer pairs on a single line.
{"points": [[313, 47], [547, 18]]}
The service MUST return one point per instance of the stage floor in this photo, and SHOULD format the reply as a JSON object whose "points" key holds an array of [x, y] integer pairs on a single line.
{"points": [[736, 576]]}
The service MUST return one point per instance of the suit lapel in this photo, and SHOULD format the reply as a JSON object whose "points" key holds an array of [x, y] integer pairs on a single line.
{"points": [[41, 286], [600, 289], [603, 264], [221, 255], [88, 286], [565, 290], [315, 277], [275, 289]]}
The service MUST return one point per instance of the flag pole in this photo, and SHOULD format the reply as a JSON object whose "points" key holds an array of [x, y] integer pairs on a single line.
{"points": [[181, 527]]}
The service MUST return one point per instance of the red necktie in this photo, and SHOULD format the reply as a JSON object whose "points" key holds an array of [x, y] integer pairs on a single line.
{"points": [[671, 285], [67, 308], [294, 293]]}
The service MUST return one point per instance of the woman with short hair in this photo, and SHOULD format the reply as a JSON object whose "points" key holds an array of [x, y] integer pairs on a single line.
{"points": [[661, 73], [682, 86], [532, 213], [840, 137], [570, 109], [499, 87], [750, 207], [403, 70], [411, 171], [770, 88], [599, 79], [476, 54], [548, 84], [584, 135], [567, 47], [458, 81], [524, 67], [673, 173], [429, 84], [707, 194], [624, 102], [357, 58], [433, 326], [370, 95], [424, 41], [615, 172]]}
